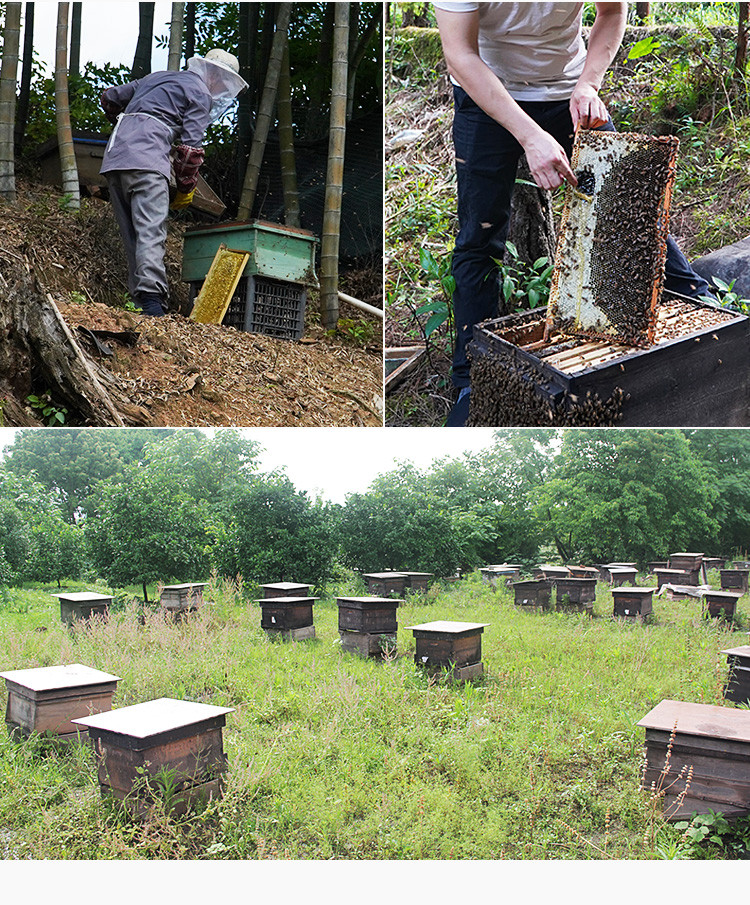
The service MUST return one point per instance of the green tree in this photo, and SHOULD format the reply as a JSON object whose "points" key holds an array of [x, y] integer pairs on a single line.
{"points": [[275, 533], [148, 528], [725, 455], [627, 495], [71, 462]]}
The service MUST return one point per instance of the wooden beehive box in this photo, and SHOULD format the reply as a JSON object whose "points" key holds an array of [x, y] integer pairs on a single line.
{"points": [[694, 375], [675, 577], [385, 584], [46, 699], [551, 573], [605, 571], [734, 580], [632, 602], [687, 562], [575, 594], [720, 603], [285, 589], [182, 597], [737, 688], [417, 581], [741, 564], [533, 593], [653, 566], [714, 742], [622, 575], [714, 562], [368, 615], [82, 605], [454, 647], [143, 747], [291, 617]]}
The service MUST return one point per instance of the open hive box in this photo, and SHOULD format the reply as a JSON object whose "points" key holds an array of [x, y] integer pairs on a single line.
{"points": [[612, 347]]}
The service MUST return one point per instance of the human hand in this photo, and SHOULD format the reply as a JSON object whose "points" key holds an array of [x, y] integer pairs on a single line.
{"points": [[548, 162], [587, 109]]}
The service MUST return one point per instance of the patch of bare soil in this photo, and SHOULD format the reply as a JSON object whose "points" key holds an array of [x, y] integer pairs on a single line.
{"points": [[176, 372]]}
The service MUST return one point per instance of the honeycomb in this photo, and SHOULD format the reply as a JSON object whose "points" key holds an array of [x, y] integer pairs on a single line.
{"points": [[609, 264], [221, 280]]}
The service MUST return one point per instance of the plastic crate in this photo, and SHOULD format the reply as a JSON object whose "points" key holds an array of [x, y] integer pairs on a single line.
{"points": [[271, 307]]}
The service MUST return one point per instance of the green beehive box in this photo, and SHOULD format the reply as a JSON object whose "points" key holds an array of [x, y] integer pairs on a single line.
{"points": [[276, 251]]}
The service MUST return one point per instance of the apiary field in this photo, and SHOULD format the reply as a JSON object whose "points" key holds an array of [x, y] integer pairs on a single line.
{"points": [[334, 756]]}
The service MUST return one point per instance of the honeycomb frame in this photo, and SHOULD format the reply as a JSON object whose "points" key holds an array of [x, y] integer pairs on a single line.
{"points": [[608, 274]]}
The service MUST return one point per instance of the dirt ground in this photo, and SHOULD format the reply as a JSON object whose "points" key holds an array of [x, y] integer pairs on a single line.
{"points": [[176, 371]]}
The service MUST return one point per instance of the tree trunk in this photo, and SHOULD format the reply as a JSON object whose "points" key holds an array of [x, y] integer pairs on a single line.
{"points": [[532, 225], [8, 73], [246, 52], [329, 245], [263, 122], [142, 58], [286, 144], [314, 119], [40, 350], [355, 57], [743, 23], [74, 65], [174, 56], [66, 150], [22, 107], [189, 30], [642, 12]]}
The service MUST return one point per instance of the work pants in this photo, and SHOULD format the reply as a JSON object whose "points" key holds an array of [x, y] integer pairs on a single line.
{"points": [[140, 201], [487, 156]]}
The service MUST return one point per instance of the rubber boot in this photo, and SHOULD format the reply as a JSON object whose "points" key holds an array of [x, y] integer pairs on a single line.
{"points": [[151, 305]]}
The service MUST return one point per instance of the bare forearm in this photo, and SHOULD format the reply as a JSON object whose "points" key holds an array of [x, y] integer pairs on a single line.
{"points": [[604, 41]]}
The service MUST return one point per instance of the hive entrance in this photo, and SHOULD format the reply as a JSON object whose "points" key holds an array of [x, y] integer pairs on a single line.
{"points": [[609, 265]]}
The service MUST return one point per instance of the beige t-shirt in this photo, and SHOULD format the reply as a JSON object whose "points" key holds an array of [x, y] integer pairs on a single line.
{"points": [[535, 49]]}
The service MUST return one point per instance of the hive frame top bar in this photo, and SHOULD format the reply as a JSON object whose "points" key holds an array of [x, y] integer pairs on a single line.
{"points": [[609, 264]]}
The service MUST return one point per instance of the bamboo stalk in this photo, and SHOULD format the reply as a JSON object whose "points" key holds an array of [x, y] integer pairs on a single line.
{"points": [[263, 121], [68, 164], [175, 36], [329, 244], [8, 72]]}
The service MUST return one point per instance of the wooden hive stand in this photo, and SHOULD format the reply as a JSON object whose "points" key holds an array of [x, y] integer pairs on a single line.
{"points": [[47, 699], [712, 741], [720, 604], [535, 593], [368, 625], [77, 606], [290, 618], [285, 589], [180, 599], [734, 580], [575, 595], [385, 584], [166, 749], [453, 649], [737, 688], [632, 603]]}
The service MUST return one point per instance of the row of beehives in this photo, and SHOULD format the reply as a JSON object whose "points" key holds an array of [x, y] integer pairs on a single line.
{"points": [[697, 755], [144, 746]]}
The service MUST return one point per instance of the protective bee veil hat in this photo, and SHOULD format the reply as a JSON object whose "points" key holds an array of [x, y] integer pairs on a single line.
{"points": [[220, 71]]}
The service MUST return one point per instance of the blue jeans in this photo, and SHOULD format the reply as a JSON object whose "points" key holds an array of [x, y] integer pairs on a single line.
{"points": [[487, 156]]}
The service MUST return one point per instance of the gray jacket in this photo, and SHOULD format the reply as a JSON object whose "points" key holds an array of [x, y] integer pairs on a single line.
{"points": [[155, 112]]}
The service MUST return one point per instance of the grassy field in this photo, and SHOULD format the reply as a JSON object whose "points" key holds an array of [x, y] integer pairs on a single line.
{"points": [[333, 756]]}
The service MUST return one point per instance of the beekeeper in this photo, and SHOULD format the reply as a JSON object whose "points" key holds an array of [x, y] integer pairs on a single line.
{"points": [[161, 120]]}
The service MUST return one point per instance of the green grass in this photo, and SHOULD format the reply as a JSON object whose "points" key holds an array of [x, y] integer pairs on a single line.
{"points": [[333, 756]]}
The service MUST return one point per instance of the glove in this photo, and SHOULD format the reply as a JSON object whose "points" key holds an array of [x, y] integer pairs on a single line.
{"points": [[187, 162], [181, 199], [111, 109]]}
